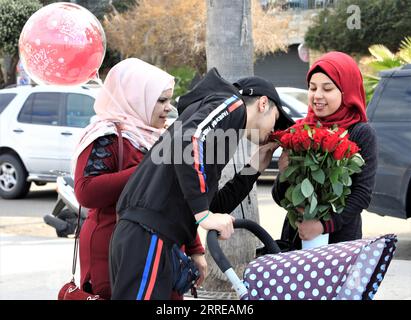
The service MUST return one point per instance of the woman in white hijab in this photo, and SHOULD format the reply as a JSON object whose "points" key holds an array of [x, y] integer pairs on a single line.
{"points": [[136, 96]]}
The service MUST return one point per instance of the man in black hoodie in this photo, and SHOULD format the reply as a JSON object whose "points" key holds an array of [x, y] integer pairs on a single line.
{"points": [[175, 187]]}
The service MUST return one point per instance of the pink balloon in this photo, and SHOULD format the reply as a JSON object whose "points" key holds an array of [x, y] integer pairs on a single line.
{"points": [[62, 44], [303, 53]]}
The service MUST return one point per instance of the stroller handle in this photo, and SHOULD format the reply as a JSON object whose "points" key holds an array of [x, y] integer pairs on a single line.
{"points": [[218, 254]]}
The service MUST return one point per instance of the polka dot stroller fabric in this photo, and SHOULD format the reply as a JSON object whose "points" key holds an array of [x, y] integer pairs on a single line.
{"points": [[350, 270]]}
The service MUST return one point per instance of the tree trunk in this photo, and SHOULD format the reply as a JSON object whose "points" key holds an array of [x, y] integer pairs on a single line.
{"points": [[229, 48], [10, 64], [1, 75], [229, 42]]}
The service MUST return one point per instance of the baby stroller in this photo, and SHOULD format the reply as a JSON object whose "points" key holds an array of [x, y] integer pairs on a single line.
{"points": [[351, 270]]}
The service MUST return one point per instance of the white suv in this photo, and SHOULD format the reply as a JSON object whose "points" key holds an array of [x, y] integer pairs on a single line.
{"points": [[39, 127]]}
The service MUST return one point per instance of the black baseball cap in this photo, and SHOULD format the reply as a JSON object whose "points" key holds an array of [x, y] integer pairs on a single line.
{"points": [[256, 86]]}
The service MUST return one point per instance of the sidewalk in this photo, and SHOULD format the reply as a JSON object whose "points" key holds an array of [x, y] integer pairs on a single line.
{"points": [[33, 268]]}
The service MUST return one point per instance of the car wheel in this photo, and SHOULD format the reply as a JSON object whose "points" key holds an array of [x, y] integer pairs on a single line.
{"points": [[13, 178]]}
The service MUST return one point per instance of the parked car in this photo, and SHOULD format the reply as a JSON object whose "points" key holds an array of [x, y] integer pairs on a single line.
{"points": [[295, 103], [389, 113], [296, 93], [39, 127]]}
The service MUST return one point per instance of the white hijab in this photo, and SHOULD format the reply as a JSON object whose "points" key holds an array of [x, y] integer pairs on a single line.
{"points": [[128, 96]]}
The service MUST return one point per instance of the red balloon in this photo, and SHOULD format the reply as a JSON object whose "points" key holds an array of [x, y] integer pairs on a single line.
{"points": [[62, 44]]}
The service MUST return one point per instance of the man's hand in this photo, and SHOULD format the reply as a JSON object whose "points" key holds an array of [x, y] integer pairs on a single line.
{"points": [[262, 157], [223, 223], [201, 263], [309, 229], [283, 162]]}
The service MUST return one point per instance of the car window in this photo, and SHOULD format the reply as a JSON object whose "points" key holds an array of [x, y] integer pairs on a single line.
{"points": [[298, 108], [79, 110], [395, 101], [5, 99], [290, 111], [300, 96], [41, 108]]}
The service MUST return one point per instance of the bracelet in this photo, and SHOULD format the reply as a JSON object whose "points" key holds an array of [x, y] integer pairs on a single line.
{"points": [[198, 222]]}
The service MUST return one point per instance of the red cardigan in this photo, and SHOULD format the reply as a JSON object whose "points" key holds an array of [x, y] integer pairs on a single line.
{"points": [[98, 185]]}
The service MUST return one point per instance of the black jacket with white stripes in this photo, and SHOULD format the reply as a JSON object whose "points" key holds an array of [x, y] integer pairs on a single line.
{"points": [[179, 176]]}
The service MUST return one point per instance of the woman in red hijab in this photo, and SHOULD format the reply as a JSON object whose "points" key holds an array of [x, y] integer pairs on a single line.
{"points": [[336, 96]]}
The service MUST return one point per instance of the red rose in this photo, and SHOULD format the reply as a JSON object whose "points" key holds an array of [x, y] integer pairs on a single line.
{"points": [[305, 139], [295, 140], [286, 141], [353, 149], [318, 136], [330, 142], [276, 135], [341, 149]]}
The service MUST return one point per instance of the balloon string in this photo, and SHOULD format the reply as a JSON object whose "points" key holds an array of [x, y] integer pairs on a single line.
{"points": [[98, 80]]}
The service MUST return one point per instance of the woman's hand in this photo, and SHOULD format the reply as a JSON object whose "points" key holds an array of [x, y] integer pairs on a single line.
{"points": [[309, 229], [201, 263], [283, 161]]}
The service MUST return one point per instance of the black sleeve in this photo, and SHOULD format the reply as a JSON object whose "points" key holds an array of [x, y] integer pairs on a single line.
{"points": [[229, 114], [234, 191], [362, 183]]}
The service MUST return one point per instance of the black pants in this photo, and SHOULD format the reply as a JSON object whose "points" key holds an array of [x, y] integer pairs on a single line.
{"points": [[140, 264]]}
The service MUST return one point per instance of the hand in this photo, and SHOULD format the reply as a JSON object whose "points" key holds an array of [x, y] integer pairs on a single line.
{"points": [[201, 263], [262, 157], [223, 223], [283, 161], [309, 229]]}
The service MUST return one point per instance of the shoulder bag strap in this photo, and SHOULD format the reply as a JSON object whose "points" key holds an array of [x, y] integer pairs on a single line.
{"points": [[78, 228]]}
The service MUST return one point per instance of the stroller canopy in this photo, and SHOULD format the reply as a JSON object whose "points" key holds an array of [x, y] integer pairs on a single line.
{"points": [[351, 270]]}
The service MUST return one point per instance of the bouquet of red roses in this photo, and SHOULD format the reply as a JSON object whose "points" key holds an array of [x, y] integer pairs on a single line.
{"points": [[322, 161]]}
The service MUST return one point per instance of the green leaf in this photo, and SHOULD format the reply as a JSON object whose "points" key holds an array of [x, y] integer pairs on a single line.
{"points": [[289, 192], [344, 134], [297, 195], [313, 156], [318, 176], [313, 204], [338, 188], [347, 191], [307, 188], [358, 160], [314, 167], [292, 218], [335, 172], [347, 181], [330, 162], [290, 170], [323, 208], [353, 168], [340, 209], [308, 161]]}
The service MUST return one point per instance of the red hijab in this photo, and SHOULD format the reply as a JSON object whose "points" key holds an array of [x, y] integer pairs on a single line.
{"points": [[344, 72]]}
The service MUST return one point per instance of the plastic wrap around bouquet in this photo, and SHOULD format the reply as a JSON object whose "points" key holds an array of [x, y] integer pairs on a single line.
{"points": [[351, 270]]}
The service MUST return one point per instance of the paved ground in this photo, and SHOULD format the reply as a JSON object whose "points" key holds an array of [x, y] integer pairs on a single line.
{"points": [[34, 263]]}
